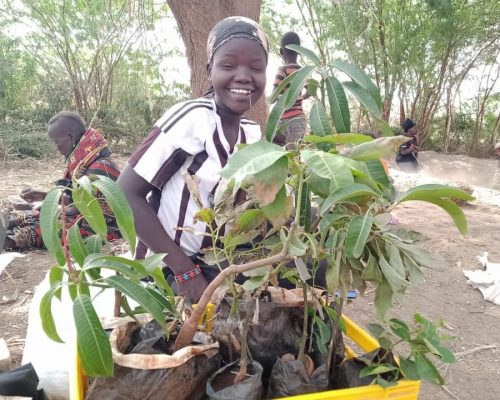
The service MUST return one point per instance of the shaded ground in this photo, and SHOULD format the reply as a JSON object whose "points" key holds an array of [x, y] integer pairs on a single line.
{"points": [[470, 320]]}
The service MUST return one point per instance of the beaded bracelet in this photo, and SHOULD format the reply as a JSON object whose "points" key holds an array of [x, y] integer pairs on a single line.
{"points": [[188, 274]]}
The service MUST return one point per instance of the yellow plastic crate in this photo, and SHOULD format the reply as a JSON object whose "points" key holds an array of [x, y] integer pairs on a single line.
{"points": [[404, 390]]}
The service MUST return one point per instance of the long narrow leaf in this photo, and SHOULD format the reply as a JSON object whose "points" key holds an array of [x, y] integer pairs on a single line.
{"points": [[358, 232], [48, 324], [346, 193], [338, 105], [318, 120], [359, 76], [304, 52], [423, 192], [123, 213], [130, 268], [297, 85], [89, 207], [50, 225], [274, 118], [364, 98], [139, 294], [76, 245], [342, 138], [93, 344]]}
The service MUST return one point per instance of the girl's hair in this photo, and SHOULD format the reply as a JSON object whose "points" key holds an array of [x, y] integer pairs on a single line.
{"points": [[71, 122]]}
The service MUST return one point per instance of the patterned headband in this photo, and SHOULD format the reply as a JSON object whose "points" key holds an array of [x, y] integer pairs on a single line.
{"points": [[235, 27]]}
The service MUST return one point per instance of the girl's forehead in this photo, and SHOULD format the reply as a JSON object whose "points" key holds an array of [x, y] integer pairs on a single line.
{"points": [[241, 46]]}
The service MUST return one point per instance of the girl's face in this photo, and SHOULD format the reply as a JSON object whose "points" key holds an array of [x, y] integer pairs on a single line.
{"points": [[238, 75]]}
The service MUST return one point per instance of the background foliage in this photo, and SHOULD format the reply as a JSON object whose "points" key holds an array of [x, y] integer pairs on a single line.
{"points": [[437, 59]]}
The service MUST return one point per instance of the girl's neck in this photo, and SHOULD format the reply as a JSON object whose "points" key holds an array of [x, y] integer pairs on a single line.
{"points": [[230, 125]]}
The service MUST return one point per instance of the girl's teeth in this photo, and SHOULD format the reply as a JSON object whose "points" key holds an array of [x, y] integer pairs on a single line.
{"points": [[240, 91]]}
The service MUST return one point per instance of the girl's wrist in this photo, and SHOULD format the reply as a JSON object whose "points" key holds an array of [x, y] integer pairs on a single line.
{"points": [[188, 275]]}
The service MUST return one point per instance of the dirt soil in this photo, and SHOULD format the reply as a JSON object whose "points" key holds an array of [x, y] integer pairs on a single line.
{"points": [[472, 323]]}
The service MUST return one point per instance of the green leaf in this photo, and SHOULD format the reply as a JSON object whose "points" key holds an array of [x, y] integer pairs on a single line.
{"points": [[255, 282], [427, 370], [329, 166], [50, 225], [76, 245], [376, 369], [440, 351], [297, 247], [409, 369], [305, 208], [398, 283], [400, 328], [135, 291], [346, 193], [383, 127], [279, 210], [160, 280], [89, 207], [121, 210], [251, 160], [93, 344], [56, 275], [46, 317], [358, 232], [304, 52], [377, 172], [153, 262], [297, 84], [376, 330], [360, 77], [339, 107], [424, 192], [384, 382], [318, 121], [94, 244], [130, 268], [375, 149], [318, 185], [453, 210], [339, 138], [372, 270], [329, 219], [383, 299], [324, 330], [250, 219], [364, 98], [273, 120]]}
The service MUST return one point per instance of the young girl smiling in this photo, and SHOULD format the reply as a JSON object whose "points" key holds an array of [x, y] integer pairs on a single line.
{"points": [[196, 137]]}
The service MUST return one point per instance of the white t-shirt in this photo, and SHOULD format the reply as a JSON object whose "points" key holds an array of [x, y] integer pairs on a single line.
{"points": [[187, 139]]}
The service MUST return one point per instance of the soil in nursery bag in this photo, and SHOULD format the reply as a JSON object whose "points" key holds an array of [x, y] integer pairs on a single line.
{"points": [[275, 332], [347, 374], [185, 381], [221, 386]]}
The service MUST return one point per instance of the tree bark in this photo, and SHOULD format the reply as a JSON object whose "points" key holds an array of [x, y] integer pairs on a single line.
{"points": [[195, 19]]}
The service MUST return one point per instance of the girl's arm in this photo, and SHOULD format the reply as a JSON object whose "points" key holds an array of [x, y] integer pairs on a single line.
{"points": [[151, 232]]}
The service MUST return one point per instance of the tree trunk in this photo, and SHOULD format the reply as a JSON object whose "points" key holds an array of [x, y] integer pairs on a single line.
{"points": [[195, 19]]}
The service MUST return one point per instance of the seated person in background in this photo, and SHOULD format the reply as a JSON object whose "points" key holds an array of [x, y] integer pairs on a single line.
{"points": [[292, 126], [86, 152], [407, 157]]}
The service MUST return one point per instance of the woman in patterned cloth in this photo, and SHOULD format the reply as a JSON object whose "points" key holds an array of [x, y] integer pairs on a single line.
{"points": [[86, 153]]}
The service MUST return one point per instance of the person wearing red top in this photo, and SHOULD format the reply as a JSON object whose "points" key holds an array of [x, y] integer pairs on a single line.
{"points": [[292, 126]]}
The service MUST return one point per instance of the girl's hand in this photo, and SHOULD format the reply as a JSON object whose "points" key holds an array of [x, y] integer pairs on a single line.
{"points": [[192, 288]]}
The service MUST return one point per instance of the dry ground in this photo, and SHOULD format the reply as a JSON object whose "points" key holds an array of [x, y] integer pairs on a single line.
{"points": [[470, 320]]}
